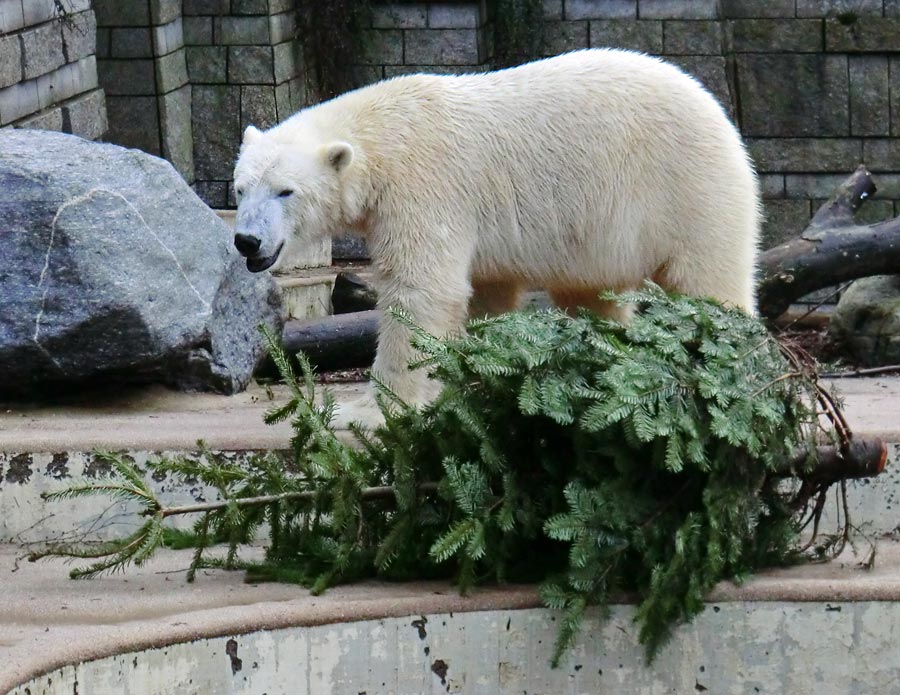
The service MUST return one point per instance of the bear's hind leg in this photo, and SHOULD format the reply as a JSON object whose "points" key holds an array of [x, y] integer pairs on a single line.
{"points": [[490, 298], [570, 299], [729, 281]]}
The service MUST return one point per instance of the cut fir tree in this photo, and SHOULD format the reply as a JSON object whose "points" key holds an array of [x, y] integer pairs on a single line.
{"points": [[657, 459]]}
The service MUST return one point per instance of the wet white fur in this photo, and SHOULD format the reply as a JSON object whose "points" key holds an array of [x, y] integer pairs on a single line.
{"points": [[592, 170]]}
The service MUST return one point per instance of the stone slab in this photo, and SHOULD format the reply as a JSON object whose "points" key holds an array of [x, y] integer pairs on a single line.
{"points": [[51, 119], [692, 37], [171, 71], [86, 115], [42, 50], [242, 30], [805, 154], [678, 9], [131, 42], [11, 16], [216, 122], [869, 96], [116, 13], [644, 36], [10, 61], [134, 122], [438, 47], [176, 133], [400, 16], [565, 36], [600, 9], [445, 15], [783, 219], [849, 8], [79, 33], [775, 35], [782, 95], [757, 8], [207, 64], [127, 77], [250, 65], [862, 34]]}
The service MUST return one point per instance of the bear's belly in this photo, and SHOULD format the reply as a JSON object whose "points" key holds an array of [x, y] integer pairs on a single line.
{"points": [[585, 259]]}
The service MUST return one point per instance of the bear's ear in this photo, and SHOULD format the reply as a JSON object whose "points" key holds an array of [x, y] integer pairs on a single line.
{"points": [[251, 135], [338, 155]]}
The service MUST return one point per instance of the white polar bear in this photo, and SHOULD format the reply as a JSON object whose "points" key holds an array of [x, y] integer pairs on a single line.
{"points": [[592, 170]]}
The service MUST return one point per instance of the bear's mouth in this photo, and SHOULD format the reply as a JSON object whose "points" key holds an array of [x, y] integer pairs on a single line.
{"points": [[258, 264]]}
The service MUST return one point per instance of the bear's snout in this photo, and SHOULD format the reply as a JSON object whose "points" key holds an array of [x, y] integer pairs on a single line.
{"points": [[247, 245]]}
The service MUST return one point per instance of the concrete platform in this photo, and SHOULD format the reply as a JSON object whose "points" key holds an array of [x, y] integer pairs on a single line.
{"points": [[823, 629]]}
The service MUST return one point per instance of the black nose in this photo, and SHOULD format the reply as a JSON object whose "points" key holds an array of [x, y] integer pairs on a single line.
{"points": [[246, 244]]}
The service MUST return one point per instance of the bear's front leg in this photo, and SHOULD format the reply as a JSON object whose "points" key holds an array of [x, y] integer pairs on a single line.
{"points": [[440, 314], [439, 311]]}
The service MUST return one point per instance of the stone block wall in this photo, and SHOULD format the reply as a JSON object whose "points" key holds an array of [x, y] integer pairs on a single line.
{"points": [[48, 67], [142, 68], [814, 85], [436, 37], [245, 66]]}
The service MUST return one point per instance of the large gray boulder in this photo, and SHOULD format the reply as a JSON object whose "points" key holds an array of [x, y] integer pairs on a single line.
{"points": [[112, 270], [866, 321]]}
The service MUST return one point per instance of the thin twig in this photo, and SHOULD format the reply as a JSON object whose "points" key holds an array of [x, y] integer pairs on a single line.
{"points": [[367, 493], [861, 372], [822, 301], [789, 375]]}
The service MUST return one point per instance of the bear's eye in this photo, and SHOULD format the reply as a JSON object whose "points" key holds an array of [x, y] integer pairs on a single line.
{"points": [[239, 192], [287, 192]]}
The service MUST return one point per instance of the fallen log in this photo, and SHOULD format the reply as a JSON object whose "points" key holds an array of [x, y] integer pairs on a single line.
{"points": [[830, 251], [343, 341]]}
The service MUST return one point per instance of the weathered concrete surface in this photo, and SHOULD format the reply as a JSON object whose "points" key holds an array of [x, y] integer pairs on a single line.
{"points": [[816, 629], [149, 419]]}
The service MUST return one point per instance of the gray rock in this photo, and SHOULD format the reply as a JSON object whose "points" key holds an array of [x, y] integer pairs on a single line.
{"points": [[114, 271], [867, 320]]}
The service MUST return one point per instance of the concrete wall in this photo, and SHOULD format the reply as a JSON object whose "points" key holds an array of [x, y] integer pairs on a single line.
{"points": [[48, 69], [730, 649]]}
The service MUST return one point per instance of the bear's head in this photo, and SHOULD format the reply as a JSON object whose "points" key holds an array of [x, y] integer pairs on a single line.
{"points": [[289, 192]]}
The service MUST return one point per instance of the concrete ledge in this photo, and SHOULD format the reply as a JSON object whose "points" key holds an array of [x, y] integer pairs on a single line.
{"points": [[156, 418]]}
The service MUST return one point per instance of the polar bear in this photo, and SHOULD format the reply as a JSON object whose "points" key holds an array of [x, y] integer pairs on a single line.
{"points": [[592, 170]]}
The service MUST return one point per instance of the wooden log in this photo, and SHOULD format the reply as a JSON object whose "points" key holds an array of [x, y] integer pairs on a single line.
{"points": [[335, 342], [830, 251]]}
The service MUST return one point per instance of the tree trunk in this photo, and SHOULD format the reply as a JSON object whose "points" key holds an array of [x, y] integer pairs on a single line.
{"points": [[830, 251]]}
